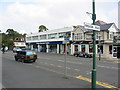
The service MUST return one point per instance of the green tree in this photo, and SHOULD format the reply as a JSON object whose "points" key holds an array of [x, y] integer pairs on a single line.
{"points": [[42, 28], [12, 34]]}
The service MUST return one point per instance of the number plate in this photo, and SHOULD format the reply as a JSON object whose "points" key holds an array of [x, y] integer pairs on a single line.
{"points": [[31, 57]]}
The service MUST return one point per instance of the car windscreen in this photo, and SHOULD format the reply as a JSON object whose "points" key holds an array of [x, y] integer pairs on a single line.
{"points": [[30, 53]]}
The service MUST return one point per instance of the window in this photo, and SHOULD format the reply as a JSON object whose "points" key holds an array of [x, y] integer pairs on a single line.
{"points": [[76, 47], [110, 49], [78, 36], [35, 37], [83, 48], [52, 36], [43, 37], [88, 36], [22, 43], [28, 38], [100, 49], [61, 35], [110, 35]]}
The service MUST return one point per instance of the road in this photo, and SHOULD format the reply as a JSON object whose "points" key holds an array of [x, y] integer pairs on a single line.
{"points": [[52, 68]]}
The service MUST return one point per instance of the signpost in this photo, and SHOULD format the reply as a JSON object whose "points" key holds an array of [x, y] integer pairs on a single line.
{"points": [[94, 28], [66, 41], [91, 27]]}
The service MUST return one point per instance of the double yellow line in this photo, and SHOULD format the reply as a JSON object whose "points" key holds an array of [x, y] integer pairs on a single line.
{"points": [[98, 83]]}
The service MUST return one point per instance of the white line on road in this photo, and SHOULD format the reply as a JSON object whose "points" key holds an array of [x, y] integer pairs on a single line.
{"points": [[68, 68], [76, 69], [69, 62], [52, 64], [107, 67], [89, 73], [61, 60], [59, 66], [37, 66]]}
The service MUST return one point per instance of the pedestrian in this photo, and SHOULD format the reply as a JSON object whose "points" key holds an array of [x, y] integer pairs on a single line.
{"points": [[3, 48]]}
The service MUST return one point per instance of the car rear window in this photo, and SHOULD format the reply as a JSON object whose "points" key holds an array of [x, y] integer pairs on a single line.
{"points": [[30, 53]]}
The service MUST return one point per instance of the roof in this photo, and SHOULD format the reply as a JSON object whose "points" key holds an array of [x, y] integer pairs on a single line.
{"points": [[82, 28], [105, 26], [65, 29]]}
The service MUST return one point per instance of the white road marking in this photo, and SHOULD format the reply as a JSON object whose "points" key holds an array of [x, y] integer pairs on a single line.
{"points": [[52, 64], [59, 66], [76, 69], [37, 66], [61, 60], [69, 62], [68, 68], [89, 73], [107, 67]]}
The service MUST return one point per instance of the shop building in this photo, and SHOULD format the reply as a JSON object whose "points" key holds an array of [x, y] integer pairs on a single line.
{"points": [[107, 40], [80, 39], [50, 41]]}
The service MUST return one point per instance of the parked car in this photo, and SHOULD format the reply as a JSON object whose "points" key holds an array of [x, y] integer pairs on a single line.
{"points": [[26, 56], [15, 49], [88, 55], [78, 53], [25, 48]]}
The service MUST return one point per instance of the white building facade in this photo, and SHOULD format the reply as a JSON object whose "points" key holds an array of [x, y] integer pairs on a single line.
{"points": [[50, 41]]}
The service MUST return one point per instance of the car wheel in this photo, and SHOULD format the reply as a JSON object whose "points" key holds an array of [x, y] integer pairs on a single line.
{"points": [[76, 55], [85, 56], [23, 61], [34, 60]]}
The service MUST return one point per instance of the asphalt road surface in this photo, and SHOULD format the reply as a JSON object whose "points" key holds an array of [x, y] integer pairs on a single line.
{"points": [[48, 72]]}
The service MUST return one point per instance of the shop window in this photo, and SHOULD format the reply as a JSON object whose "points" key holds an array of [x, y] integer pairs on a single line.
{"points": [[83, 48], [90, 48], [100, 48], [110, 49], [115, 49], [76, 47]]}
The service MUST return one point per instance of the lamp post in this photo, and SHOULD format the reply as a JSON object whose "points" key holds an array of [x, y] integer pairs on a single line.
{"points": [[93, 84]]}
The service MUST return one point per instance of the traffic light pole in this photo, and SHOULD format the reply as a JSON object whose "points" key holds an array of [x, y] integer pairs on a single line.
{"points": [[93, 84]]}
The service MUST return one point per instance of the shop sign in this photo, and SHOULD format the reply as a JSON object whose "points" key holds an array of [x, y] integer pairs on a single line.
{"points": [[66, 41]]}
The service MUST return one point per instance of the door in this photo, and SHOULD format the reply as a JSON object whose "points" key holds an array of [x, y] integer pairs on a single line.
{"points": [[118, 52]]}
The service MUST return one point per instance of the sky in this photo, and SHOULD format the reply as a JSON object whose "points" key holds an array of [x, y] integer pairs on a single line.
{"points": [[25, 16]]}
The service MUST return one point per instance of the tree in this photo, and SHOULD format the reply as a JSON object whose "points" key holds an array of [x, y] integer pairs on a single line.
{"points": [[42, 28], [12, 34]]}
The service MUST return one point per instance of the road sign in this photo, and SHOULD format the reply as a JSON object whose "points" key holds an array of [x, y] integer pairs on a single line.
{"points": [[92, 27]]}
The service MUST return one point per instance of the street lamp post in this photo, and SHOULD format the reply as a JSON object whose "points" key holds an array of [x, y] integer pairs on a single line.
{"points": [[93, 84]]}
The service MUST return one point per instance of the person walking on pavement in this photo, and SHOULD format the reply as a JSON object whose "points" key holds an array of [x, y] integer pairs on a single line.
{"points": [[3, 48]]}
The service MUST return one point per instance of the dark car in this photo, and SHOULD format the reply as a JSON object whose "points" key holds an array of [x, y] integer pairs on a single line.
{"points": [[88, 55], [26, 56], [78, 53]]}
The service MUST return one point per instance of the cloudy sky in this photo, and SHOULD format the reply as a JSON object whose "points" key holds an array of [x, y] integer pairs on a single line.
{"points": [[25, 16]]}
